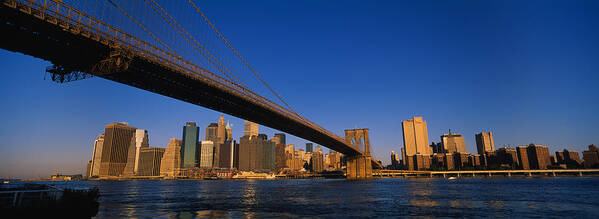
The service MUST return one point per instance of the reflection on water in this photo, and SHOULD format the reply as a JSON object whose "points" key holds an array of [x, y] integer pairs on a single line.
{"points": [[466, 197]]}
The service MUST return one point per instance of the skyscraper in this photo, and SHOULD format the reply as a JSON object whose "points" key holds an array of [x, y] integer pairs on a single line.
{"points": [[523, 157], [117, 139], [228, 133], [227, 154], [207, 154], [140, 141], [256, 153], [149, 161], [190, 150], [250, 128], [279, 138], [171, 160], [453, 142], [97, 156], [317, 162], [221, 136], [538, 156], [415, 137], [212, 132], [484, 142], [309, 147]]}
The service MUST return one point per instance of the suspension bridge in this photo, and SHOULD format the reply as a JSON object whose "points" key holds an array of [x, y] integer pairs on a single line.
{"points": [[166, 47]]}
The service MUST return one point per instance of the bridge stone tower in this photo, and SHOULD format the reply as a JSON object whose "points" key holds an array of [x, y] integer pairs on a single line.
{"points": [[359, 166]]}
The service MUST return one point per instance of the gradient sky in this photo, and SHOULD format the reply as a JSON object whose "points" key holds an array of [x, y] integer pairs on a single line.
{"points": [[526, 70]]}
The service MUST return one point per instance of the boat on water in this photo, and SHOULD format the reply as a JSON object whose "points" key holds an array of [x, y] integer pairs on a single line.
{"points": [[452, 178]]}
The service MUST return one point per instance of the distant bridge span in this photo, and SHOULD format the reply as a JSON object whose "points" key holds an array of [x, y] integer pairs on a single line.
{"points": [[78, 44]]}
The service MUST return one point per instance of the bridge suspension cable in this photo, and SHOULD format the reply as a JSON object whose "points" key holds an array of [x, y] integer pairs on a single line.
{"points": [[243, 60], [195, 43], [142, 26]]}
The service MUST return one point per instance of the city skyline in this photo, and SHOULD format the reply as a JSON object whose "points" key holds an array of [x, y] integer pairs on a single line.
{"points": [[545, 97]]}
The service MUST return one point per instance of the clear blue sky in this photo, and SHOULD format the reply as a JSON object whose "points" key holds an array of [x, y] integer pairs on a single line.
{"points": [[526, 70]]}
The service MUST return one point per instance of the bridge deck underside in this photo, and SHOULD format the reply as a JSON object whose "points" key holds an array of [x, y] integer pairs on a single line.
{"points": [[40, 39]]}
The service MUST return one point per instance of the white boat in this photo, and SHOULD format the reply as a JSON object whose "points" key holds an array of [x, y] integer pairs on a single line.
{"points": [[453, 177]]}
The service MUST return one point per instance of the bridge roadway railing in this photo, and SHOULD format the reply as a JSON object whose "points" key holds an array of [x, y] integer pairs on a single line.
{"points": [[69, 18]]}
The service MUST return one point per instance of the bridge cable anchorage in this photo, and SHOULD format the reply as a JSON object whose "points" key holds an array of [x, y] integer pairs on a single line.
{"points": [[243, 60], [192, 38], [142, 26]]}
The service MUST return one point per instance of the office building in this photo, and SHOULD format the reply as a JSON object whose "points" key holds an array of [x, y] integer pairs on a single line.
{"points": [[309, 147], [523, 162], [437, 148], [250, 153], [190, 151], [507, 157], [117, 139], [538, 156], [227, 154], [453, 143], [415, 137], [572, 159], [268, 156], [484, 142], [171, 160], [206, 154], [149, 161], [394, 161], [250, 129], [317, 162], [140, 141], [279, 138], [591, 157], [97, 156], [221, 136]]}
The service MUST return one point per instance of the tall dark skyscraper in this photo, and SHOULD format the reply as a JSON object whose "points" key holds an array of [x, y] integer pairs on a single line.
{"points": [[190, 150], [309, 147], [117, 139]]}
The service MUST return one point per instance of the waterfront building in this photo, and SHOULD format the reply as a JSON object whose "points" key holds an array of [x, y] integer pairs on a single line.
{"points": [[280, 160], [88, 170], [572, 159], [117, 139], [317, 162], [538, 156], [206, 154], [484, 142], [507, 157], [252, 153], [523, 162], [460, 160], [171, 160], [250, 129], [591, 157], [97, 156], [474, 160], [309, 147], [453, 143], [221, 136], [415, 137], [333, 161], [449, 162], [227, 154], [140, 141], [279, 138], [559, 156], [394, 161], [438, 161], [437, 148], [149, 161], [190, 151], [268, 156]]}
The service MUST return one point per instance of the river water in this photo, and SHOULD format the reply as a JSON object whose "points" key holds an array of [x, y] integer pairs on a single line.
{"points": [[572, 197]]}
